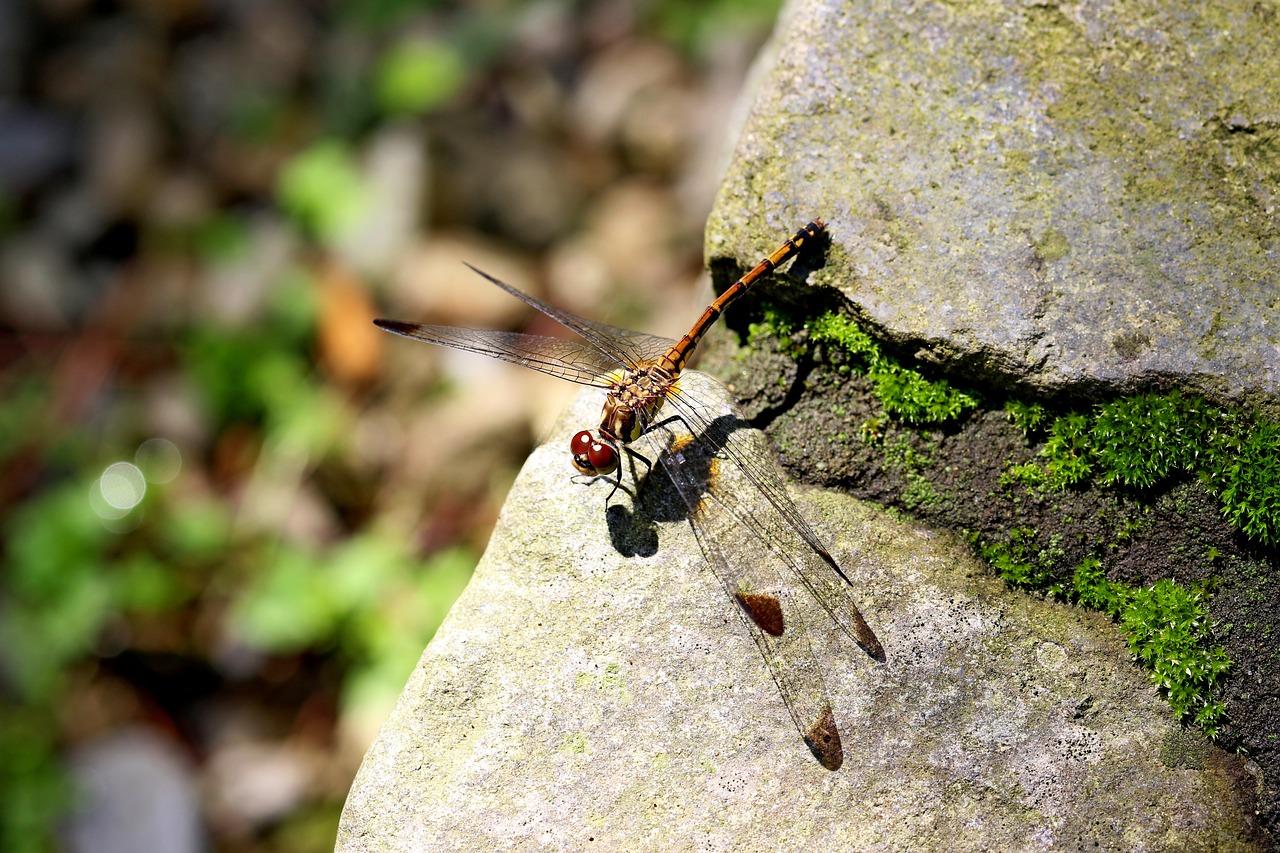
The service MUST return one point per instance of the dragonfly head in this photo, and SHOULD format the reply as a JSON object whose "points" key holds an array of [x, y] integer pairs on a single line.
{"points": [[593, 455]]}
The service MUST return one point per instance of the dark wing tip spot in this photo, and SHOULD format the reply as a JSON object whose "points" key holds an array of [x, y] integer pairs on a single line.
{"points": [[867, 638], [872, 646], [765, 610], [823, 740]]}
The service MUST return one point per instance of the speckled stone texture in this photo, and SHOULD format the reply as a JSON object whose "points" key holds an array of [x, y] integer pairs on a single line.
{"points": [[577, 698], [1075, 196]]}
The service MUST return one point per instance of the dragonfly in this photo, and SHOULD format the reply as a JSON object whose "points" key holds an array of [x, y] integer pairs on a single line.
{"points": [[745, 538]]}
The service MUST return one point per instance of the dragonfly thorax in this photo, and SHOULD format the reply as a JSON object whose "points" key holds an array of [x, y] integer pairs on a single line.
{"points": [[634, 398], [633, 401]]}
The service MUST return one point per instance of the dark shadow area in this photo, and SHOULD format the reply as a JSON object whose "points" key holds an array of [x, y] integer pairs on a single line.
{"points": [[633, 531]]}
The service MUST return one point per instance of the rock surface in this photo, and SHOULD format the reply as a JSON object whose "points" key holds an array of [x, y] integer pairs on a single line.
{"points": [[1059, 196], [576, 697]]}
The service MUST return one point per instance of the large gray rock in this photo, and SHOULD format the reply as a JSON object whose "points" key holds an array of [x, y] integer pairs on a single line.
{"points": [[1055, 195], [579, 698]]}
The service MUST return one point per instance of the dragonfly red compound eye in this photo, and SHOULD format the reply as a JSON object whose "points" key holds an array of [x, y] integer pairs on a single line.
{"points": [[591, 456]]}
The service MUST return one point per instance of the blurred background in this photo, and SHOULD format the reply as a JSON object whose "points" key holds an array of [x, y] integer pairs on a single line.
{"points": [[234, 512]]}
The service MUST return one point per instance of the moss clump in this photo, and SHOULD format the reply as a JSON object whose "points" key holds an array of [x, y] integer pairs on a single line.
{"points": [[1144, 440], [1067, 451], [1167, 628], [1141, 440], [903, 393], [1028, 417], [1022, 560], [1246, 471]]}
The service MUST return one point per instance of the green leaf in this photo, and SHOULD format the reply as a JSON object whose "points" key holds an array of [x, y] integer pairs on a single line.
{"points": [[321, 188], [418, 75], [289, 605]]}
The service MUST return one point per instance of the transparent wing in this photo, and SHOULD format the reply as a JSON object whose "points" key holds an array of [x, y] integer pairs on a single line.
{"points": [[625, 347], [775, 523], [561, 357], [749, 571], [603, 349]]}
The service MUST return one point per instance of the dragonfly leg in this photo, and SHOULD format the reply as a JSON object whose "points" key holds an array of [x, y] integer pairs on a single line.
{"points": [[632, 456], [588, 479], [617, 483], [669, 419]]}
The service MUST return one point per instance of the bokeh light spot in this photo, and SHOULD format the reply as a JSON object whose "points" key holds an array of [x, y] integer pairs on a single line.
{"points": [[121, 488]]}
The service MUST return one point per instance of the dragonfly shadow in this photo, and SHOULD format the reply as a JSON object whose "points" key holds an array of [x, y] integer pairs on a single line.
{"points": [[633, 529]]}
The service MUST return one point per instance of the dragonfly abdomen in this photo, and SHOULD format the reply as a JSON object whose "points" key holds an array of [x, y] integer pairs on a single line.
{"points": [[676, 358]]}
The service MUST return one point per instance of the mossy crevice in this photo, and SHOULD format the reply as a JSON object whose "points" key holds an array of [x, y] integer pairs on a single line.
{"points": [[1142, 440], [902, 392], [1114, 471]]}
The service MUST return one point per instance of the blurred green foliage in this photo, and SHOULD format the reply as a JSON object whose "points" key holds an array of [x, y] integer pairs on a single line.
{"points": [[72, 573], [418, 75], [56, 589], [691, 25], [384, 15], [33, 791], [320, 188], [186, 553]]}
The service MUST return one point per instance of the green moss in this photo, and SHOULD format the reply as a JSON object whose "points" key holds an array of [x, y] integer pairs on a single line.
{"points": [[1028, 474], [1167, 628], [907, 395], [1138, 442], [1028, 417], [1066, 451], [1141, 440], [919, 493], [1144, 440], [902, 392], [1246, 471], [777, 327], [1165, 625], [1023, 560]]}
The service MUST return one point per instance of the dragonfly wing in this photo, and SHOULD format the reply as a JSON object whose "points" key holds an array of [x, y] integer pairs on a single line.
{"points": [[626, 347], [800, 549], [560, 357], [749, 574]]}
